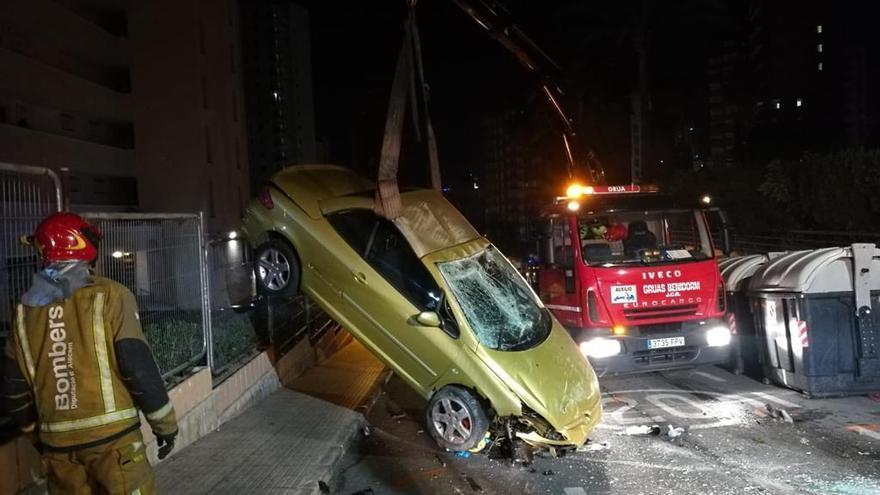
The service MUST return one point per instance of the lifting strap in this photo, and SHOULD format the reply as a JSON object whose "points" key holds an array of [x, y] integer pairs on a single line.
{"points": [[409, 64]]}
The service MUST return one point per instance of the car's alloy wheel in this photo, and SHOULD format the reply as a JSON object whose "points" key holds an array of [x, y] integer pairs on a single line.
{"points": [[456, 419], [451, 420], [273, 269], [276, 268]]}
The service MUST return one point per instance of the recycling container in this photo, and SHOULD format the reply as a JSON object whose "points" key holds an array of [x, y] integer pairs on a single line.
{"points": [[814, 319], [736, 273]]}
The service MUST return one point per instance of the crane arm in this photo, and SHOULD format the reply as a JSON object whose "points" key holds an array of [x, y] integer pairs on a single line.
{"points": [[497, 21]]}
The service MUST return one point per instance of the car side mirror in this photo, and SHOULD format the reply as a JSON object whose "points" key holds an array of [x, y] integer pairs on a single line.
{"points": [[429, 319]]}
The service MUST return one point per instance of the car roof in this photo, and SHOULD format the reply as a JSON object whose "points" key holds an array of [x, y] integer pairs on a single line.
{"points": [[307, 185], [428, 221]]}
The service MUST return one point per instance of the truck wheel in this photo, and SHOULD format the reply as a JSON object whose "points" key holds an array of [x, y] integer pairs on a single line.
{"points": [[276, 268], [456, 419]]}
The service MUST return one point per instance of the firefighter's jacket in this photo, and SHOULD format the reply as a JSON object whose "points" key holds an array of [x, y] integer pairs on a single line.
{"points": [[79, 369]]}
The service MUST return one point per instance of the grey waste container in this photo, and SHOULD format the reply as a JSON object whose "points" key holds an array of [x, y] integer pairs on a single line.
{"points": [[814, 316], [736, 273]]}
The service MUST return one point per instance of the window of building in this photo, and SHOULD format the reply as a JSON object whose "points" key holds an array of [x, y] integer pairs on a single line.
{"points": [[820, 66], [211, 212], [799, 102], [819, 48], [819, 29], [209, 156], [204, 93], [237, 154], [68, 122], [95, 129]]}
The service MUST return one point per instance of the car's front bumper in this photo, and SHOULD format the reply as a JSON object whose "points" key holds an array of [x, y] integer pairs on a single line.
{"points": [[576, 434]]}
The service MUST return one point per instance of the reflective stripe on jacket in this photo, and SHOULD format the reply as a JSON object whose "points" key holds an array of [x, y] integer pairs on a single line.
{"points": [[66, 351]]}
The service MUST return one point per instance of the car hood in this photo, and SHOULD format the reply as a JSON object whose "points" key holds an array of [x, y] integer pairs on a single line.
{"points": [[552, 379]]}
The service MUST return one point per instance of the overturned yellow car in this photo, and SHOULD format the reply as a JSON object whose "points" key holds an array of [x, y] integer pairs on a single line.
{"points": [[431, 298]]}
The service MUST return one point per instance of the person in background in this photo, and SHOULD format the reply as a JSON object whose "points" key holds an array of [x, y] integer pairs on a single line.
{"points": [[77, 370]]}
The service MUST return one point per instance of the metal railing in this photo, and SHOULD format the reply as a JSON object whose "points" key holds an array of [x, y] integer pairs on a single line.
{"points": [[234, 335], [242, 323], [160, 258], [794, 240], [27, 195], [289, 320]]}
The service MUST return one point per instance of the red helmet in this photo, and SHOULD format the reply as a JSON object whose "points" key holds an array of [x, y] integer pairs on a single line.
{"points": [[616, 232], [66, 237]]}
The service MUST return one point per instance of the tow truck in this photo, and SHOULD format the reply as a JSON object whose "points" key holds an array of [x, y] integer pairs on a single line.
{"points": [[632, 275]]}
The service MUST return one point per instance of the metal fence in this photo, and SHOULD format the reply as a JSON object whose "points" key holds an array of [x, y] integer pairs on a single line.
{"points": [[794, 240], [242, 322], [196, 297], [27, 195], [160, 258], [234, 322], [289, 320]]}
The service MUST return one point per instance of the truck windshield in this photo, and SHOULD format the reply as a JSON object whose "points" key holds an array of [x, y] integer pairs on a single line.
{"points": [[500, 308], [644, 237]]}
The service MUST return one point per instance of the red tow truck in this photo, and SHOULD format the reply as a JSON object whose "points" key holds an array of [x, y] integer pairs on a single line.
{"points": [[634, 279]]}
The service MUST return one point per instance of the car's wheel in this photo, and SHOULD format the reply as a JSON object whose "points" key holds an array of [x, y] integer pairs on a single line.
{"points": [[456, 419], [276, 268]]}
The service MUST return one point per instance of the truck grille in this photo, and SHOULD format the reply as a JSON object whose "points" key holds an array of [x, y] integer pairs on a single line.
{"points": [[636, 314], [665, 356]]}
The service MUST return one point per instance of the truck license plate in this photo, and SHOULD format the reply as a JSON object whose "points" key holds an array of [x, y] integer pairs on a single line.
{"points": [[667, 342]]}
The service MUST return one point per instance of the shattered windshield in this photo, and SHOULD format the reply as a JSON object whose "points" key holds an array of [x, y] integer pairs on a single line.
{"points": [[500, 308], [644, 237]]}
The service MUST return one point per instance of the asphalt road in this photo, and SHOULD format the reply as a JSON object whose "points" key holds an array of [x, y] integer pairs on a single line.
{"points": [[729, 444]]}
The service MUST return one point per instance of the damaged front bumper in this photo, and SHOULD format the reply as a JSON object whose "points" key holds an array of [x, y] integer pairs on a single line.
{"points": [[541, 434]]}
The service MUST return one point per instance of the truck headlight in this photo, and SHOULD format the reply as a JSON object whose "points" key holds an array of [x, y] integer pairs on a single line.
{"points": [[600, 347], [718, 336]]}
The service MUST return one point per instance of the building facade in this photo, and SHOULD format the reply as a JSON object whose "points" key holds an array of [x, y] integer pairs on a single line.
{"points": [[138, 105], [798, 78], [65, 98], [278, 87]]}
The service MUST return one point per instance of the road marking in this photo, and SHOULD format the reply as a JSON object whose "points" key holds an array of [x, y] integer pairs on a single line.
{"points": [[709, 376], [862, 430], [575, 491], [663, 401], [776, 399], [665, 467]]}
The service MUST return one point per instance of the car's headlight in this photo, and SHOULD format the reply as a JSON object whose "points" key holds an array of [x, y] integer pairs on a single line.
{"points": [[718, 336], [600, 347]]}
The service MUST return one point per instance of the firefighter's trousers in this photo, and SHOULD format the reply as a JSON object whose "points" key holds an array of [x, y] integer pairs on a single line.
{"points": [[119, 467]]}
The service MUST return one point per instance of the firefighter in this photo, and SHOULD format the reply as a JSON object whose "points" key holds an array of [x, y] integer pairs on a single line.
{"points": [[77, 370]]}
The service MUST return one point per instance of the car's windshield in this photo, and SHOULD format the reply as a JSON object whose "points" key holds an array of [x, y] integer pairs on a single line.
{"points": [[644, 237], [498, 305]]}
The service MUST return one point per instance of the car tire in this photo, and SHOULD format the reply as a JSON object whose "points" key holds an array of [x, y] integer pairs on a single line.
{"points": [[276, 268], [455, 418]]}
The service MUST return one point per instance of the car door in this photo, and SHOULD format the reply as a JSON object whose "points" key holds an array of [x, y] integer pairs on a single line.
{"points": [[388, 287]]}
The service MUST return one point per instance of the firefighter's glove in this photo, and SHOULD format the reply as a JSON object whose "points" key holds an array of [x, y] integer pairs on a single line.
{"points": [[165, 444]]}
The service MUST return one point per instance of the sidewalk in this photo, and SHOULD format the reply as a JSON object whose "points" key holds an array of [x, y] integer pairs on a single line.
{"points": [[289, 443]]}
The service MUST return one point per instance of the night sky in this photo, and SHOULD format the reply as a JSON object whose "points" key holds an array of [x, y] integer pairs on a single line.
{"points": [[354, 48]]}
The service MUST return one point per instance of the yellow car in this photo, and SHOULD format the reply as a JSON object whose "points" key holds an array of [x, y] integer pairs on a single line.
{"points": [[432, 299]]}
